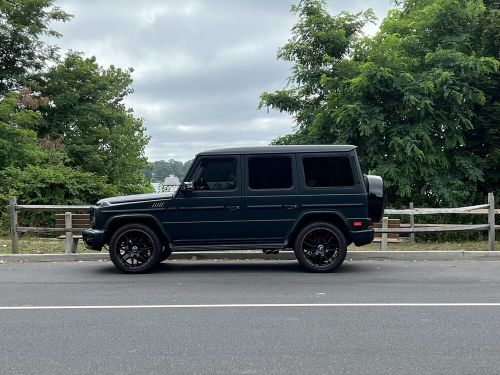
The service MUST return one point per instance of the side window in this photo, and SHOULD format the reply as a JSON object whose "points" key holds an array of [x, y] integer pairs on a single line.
{"points": [[215, 174], [270, 172], [328, 171]]}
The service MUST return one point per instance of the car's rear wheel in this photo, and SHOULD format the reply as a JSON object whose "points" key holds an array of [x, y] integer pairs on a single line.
{"points": [[320, 247], [135, 248]]}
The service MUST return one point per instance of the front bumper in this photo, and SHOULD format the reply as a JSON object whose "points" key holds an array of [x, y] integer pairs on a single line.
{"points": [[93, 239], [362, 237]]}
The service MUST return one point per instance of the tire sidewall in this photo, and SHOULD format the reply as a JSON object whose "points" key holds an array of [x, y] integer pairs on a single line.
{"points": [[299, 254], [155, 257]]}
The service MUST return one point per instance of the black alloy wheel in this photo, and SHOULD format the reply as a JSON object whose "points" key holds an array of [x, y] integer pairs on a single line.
{"points": [[135, 248], [320, 247]]}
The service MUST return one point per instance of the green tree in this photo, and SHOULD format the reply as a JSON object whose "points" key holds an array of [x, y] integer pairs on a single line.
{"points": [[408, 96], [18, 142], [86, 109], [23, 24], [484, 138], [34, 169]]}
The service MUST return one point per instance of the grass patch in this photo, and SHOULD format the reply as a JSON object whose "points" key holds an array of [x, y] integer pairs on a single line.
{"points": [[37, 245], [430, 246]]}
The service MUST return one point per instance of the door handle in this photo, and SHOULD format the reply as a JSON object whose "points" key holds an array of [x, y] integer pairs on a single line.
{"points": [[232, 208], [290, 206]]}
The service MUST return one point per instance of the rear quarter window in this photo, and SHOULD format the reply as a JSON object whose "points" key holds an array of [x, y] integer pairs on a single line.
{"points": [[327, 171]]}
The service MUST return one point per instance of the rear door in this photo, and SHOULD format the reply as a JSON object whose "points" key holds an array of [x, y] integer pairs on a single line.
{"points": [[270, 196]]}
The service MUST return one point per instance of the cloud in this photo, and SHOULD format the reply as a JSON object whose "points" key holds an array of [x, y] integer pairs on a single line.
{"points": [[199, 66]]}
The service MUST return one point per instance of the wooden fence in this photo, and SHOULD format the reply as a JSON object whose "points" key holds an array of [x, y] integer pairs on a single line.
{"points": [[68, 230], [411, 228]]}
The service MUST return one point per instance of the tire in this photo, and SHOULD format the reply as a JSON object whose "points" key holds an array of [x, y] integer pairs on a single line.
{"points": [[165, 254], [320, 247], [135, 243]]}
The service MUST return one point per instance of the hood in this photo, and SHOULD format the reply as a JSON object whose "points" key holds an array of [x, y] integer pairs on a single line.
{"points": [[134, 198]]}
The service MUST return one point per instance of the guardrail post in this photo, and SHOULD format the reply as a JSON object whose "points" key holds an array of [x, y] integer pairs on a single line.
{"points": [[491, 222], [13, 225], [383, 242], [68, 243], [412, 224]]}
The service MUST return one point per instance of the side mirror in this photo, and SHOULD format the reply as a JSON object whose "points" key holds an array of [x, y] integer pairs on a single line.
{"points": [[187, 187]]}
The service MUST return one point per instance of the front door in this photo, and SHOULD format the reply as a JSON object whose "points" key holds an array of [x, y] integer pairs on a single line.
{"points": [[212, 212]]}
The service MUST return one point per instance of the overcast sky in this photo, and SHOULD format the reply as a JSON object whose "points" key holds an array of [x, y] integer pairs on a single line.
{"points": [[200, 66]]}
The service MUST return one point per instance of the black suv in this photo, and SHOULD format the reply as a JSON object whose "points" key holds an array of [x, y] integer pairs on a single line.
{"points": [[313, 199]]}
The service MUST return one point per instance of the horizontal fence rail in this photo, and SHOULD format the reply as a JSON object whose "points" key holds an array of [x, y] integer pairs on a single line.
{"points": [[51, 208], [435, 228], [412, 228], [70, 240], [430, 211]]}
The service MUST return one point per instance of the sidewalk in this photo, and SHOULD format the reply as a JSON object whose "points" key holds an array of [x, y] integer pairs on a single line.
{"points": [[283, 255]]}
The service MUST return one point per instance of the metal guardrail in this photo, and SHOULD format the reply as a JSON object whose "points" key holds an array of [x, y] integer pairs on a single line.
{"points": [[412, 228]]}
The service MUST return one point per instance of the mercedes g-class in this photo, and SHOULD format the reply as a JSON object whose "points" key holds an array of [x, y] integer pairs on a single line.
{"points": [[313, 199]]}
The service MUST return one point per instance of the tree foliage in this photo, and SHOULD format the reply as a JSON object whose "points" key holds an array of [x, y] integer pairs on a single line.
{"points": [[86, 109], [416, 97], [55, 183], [18, 141], [51, 184], [23, 24], [66, 136]]}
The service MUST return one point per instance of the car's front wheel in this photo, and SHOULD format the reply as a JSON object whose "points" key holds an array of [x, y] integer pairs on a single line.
{"points": [[135, 248], [320, 247]]}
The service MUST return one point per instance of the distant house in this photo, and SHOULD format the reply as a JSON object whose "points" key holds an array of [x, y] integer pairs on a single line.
{"points": [[171, 181], [170, 184]]}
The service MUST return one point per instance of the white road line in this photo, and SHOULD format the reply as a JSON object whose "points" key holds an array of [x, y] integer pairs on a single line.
{"points": [[251, 305]]}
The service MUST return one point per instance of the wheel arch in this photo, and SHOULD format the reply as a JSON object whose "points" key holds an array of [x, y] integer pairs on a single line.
{"points": [[334, 218], [118, 221]]}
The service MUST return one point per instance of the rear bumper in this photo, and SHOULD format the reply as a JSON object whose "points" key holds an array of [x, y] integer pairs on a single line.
{"points": [[93, 239], [362, 237]]}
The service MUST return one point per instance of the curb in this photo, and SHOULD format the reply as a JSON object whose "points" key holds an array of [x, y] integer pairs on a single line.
{"points": [[258, 255]]}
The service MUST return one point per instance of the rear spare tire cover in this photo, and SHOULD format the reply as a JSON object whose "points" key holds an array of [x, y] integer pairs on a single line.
{"points": [[375, 187]]}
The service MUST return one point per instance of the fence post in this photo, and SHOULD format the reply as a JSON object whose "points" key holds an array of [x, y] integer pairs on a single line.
{"points": [[68, 243], [491, 222], [383, 242], [13, 225], [412, 224]]}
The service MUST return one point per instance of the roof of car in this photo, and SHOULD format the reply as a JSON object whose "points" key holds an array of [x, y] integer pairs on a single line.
{"points": [[278, 149]]}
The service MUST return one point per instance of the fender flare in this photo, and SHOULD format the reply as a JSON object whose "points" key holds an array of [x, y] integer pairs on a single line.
{"points": [[304, 215], [138, 217]]}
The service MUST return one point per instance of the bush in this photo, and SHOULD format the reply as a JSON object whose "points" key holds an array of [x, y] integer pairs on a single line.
{"points": [[50, 184]]}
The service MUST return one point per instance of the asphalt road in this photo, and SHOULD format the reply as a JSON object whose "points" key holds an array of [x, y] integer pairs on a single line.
{"points": [[86, 319]]}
